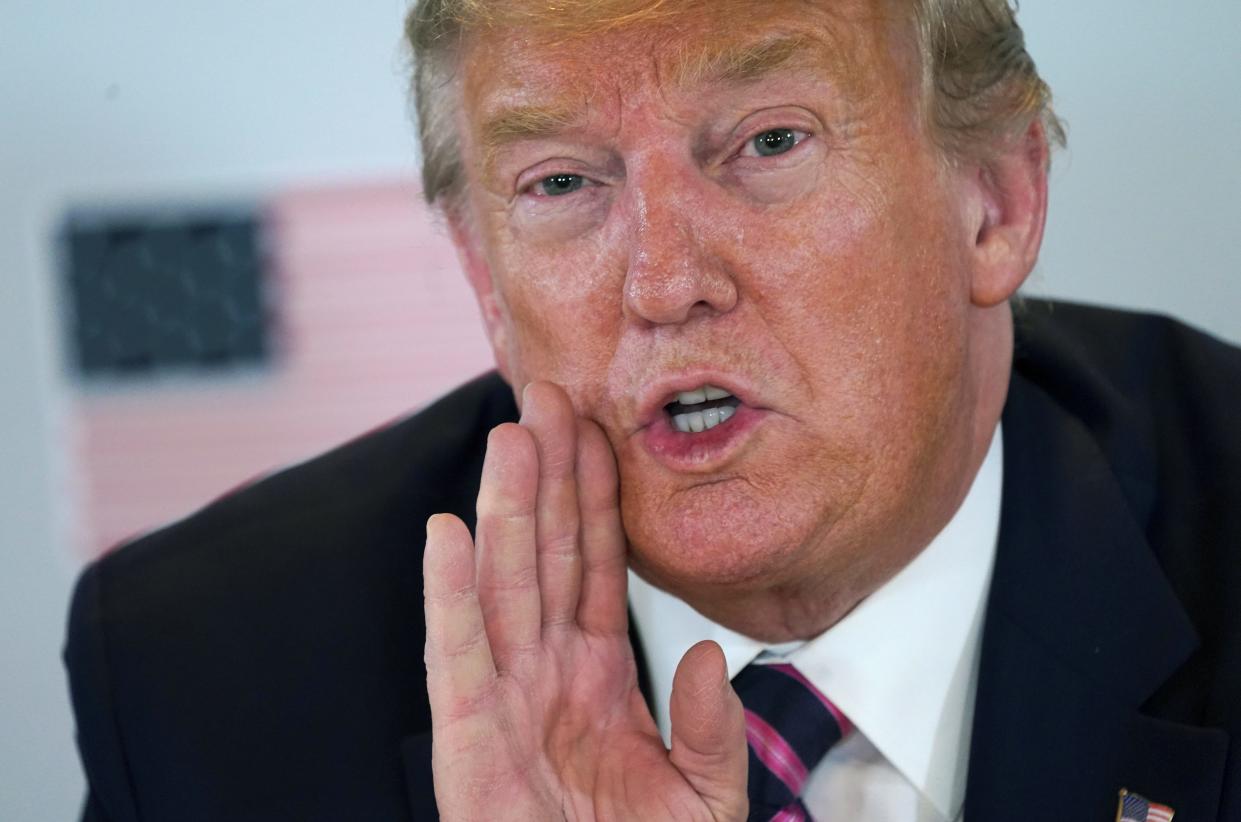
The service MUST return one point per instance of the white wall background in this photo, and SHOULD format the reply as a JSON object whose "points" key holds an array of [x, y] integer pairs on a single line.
{"points": [[147, 99], [125, 99], [1146, 202]]}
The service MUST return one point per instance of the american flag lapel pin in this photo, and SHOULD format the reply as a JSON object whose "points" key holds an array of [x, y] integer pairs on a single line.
{"points": [[1134, 808]]}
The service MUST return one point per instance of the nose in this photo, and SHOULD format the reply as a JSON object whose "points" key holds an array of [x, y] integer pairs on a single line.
{"points": [[674, 272]]}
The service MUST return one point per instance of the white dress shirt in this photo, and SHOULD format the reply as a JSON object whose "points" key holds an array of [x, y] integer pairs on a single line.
{"points": [[902, 666]]}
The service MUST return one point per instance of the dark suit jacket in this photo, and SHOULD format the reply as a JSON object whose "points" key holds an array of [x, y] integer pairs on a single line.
{"points": [[262, 660]]}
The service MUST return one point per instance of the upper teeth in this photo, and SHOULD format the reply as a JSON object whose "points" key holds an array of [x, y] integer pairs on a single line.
{"points": [[707, 392], [696, 421]]}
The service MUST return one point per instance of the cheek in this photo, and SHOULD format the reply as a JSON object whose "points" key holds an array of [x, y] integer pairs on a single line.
{"points": [[561, 308], [866, 272], [868, 297]]}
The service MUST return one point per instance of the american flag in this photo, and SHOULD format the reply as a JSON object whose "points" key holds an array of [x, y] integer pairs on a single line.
{"points": [[1134, 808], [373, 321]]}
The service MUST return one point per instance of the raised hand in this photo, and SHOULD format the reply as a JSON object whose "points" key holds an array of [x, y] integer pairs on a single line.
{"points": [[536, 712]]}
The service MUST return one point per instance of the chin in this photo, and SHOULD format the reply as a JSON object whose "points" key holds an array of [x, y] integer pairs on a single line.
{"points": [[715, 537]]}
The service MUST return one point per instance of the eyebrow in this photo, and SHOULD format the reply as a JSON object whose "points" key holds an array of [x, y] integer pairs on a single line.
{"points": [[517, 123], [740, 62]]}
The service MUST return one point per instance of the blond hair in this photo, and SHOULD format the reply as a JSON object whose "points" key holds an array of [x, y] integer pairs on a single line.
{"points": [[980, 85]]}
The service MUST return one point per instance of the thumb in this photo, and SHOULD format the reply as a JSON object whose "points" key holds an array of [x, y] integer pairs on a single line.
{"points": [[708, 731]]}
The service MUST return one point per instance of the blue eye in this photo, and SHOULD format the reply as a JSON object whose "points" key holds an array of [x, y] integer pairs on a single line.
{"points": [[775, 141], [559, 184]]}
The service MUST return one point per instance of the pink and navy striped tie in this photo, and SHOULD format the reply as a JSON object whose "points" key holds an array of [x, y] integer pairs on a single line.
{"points": [[790, 726]]}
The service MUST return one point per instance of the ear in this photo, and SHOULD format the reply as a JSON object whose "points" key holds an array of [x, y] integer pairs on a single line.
{"points": [[1007, 214], [478, 272]]}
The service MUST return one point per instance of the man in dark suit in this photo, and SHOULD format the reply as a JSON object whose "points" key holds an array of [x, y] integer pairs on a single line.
{"points": [[747, 269]]}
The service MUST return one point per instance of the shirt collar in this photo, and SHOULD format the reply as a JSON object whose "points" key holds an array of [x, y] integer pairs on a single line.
{"points": [[902, 666]]}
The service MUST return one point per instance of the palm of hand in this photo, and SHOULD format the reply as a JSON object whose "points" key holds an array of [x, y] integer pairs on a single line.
{"points": [[585, 724], [535, 705]]}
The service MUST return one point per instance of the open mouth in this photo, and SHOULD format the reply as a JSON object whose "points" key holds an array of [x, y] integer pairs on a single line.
{"points": [[702, 409]]}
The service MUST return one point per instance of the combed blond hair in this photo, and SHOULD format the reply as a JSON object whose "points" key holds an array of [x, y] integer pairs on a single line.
{"points": [[981, 87]]}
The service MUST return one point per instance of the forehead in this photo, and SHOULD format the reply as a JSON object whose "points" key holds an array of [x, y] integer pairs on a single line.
{"points": [[545, 74]]}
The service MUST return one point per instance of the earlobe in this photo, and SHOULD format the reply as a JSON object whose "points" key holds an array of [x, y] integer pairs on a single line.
{"points": [[478, 274], [1010, 216]]}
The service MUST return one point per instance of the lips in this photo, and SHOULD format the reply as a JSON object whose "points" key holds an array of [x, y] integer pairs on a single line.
{"points": [[684, 399]]}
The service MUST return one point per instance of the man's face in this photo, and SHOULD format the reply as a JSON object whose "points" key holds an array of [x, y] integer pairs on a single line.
{"points": [[750, 204]]}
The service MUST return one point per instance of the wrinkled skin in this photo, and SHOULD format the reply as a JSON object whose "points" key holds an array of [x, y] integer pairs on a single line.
{"points": [[536, 712], [851, 289]]}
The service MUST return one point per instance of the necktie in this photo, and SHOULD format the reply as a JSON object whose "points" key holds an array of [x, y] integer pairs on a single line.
{"points": [[789, 726]]}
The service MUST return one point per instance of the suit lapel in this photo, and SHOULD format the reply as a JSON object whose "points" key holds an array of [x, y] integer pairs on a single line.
{"points": [[1081, 629]]}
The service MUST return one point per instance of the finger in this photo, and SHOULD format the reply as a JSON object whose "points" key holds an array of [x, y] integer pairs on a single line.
{"points": [[508, 581], [602, 608], [547, 412], [459, 664], [708, 731]]}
